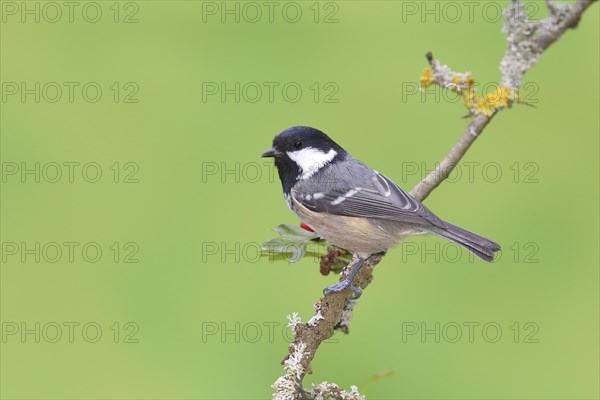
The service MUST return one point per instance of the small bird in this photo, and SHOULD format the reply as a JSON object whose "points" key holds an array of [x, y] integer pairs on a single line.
{"points": [[352, 205]]}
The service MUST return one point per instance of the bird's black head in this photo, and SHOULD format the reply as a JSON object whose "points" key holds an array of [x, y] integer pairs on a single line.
{"points": [[300, 152]]}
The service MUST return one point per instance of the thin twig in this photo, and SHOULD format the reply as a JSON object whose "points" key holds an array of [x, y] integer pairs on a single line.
{"points": [[443, 170]]}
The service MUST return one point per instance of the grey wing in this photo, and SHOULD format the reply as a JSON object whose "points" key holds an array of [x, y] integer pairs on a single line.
{"points": [[378, 197]]}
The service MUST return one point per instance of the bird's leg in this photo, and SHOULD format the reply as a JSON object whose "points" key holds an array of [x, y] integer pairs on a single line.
{"points": [[347, 282]]}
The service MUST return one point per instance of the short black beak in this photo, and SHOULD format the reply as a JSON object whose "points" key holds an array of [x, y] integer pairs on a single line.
{"points": [[270, 153]]}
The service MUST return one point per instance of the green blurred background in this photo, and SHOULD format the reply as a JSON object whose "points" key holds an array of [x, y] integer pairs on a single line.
{"points": [[200, 316]]}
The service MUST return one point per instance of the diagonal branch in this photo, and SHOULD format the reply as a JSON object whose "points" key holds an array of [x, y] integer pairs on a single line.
{"points": [[443, 170], [526, 41]]}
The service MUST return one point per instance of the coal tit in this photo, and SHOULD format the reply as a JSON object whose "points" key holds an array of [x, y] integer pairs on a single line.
{"points": [[352, 205]]}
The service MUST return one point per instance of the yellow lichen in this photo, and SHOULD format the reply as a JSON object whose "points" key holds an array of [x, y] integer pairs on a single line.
{"points": [[496, 100], [464, 84], [426, 78]]}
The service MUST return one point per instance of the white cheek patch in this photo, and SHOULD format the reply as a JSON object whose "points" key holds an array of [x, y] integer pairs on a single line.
{"points": [[310, 160]]}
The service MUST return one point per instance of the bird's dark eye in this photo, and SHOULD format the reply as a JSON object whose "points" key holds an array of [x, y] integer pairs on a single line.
{"points": [[298, 145]]}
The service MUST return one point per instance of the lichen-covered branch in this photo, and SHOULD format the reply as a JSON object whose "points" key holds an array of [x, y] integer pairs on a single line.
{"points": [[333, 312], [526, 41]]}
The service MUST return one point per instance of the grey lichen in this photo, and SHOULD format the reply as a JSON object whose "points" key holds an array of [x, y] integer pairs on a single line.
{"points": [[326, 390], [344, 325], [315, 318], [289, 386], [527, 40], [293, 320], [449, 79], [523, 52]]}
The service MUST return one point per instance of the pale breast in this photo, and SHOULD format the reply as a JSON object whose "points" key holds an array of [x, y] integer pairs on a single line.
{"points": [[359, 235]]}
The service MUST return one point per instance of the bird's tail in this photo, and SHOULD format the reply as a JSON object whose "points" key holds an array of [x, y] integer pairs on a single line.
{"points": [[478, 245]]}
